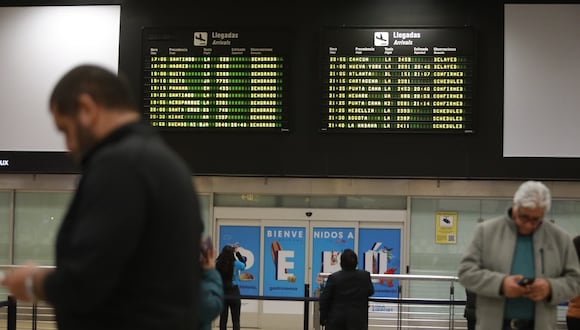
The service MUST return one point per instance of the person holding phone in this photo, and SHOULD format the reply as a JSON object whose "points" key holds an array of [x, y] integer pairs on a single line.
{"points": [[127, 250], [211, 291], [520, 266], [229, 264]]}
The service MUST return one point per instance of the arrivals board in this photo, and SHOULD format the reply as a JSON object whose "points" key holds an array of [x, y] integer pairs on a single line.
{"points": [[398, 80], [216, 79]]}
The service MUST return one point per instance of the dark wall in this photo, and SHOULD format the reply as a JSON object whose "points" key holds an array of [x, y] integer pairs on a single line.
{"points": [[306, 152]]}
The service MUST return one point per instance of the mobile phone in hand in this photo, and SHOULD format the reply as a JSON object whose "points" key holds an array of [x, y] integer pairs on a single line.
{"points": [[206, 245], [526, 281]]}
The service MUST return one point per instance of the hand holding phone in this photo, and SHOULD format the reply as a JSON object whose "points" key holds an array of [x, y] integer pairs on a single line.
{"points": [[526, 281], [206, 245], [207, 254]]}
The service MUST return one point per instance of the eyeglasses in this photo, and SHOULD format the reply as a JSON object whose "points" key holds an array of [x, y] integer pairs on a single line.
{"points": [[526, 218]]}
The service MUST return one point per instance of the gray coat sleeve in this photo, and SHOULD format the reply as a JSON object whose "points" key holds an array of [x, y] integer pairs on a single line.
{"points": [[472, 275], [565, 285]]}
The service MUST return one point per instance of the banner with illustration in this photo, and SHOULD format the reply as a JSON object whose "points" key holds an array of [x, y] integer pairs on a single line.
{"points": [[284, 261], [379, 252], [327, 245], [247, 238]]}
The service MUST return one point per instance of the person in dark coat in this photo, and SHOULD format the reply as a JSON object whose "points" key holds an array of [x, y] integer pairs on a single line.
{"points": [[127, 251], [344, 299]]}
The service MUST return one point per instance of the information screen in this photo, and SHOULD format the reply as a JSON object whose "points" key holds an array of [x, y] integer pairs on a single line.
{"points": [[398, 80], [216, 79]]}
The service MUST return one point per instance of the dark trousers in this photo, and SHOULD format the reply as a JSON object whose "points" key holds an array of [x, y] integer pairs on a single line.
{"points": [[234, 304], [471, 323], [573, 323]]}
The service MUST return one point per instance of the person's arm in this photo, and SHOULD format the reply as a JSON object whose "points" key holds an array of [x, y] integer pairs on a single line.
{"points": [[211, 291], [370, 286], [564, 287], [472, 275], [240, 257], [26, 283], [211, 295], [325, 300]]}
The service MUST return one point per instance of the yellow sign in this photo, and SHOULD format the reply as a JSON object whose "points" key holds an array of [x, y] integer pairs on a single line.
{"points": [[446, 228]]}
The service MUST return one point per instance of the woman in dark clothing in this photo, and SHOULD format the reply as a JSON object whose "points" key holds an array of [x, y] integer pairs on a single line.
{"points": [[229, 264], [344, 299]]}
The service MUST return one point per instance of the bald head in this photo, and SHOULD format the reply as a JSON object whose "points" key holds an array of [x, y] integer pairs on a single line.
{"points": [[106, 89]]}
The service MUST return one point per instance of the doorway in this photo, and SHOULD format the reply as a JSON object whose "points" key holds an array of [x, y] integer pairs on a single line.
{"points": [[288, 248]]}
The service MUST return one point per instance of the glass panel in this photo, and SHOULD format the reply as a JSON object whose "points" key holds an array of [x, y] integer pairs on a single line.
{"points": [[377, 202], [304, 201], [491, 208], [429, 258], [325, 202], [301, 201], [245, 200], [37, 218], [5, 202], [565, 214]]}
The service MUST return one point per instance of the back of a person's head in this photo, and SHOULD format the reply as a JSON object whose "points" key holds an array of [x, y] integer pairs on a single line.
{"points": [[348, 260], [225, 263], [228, 251], [103, 86], [532, 194]]}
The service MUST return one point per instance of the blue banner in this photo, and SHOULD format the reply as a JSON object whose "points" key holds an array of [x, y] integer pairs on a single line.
{"points": [[284, 261], [379, 252], [327, 245], [248, 240]]}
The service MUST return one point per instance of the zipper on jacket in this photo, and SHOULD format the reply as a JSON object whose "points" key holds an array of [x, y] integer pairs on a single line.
{"points": [[542, 259]]}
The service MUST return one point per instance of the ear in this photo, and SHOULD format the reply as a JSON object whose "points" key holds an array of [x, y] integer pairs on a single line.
{"points": [[88, 110]]}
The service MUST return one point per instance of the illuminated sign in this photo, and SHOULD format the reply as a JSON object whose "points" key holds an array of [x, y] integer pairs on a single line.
{"points": [[200, 79], [398, 80]]}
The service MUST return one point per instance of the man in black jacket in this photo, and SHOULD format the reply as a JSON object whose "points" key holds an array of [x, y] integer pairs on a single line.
{"points": [[344, 299], [127, 251]]}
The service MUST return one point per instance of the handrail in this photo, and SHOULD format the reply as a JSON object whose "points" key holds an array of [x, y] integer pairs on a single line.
{"points": [[408, 277], [23, 265], [325, 275], [306, 299], [400, 301]]}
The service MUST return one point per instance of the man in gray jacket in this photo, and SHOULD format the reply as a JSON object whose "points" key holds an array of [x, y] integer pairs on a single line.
{"points": [[520, 266]]}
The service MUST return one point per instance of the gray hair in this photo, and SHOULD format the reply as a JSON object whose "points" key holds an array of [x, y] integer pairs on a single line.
{"points": [[532, 194]]}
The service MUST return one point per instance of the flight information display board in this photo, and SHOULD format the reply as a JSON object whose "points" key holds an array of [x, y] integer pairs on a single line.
{"points": [[398, 80], [216, 79]]}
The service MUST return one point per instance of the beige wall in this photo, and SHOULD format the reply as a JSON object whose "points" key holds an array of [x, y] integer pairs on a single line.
{"points": [[317, 186]]}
